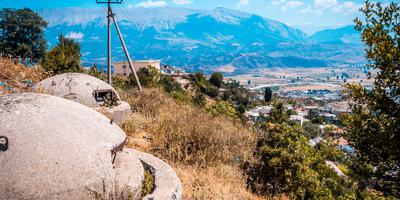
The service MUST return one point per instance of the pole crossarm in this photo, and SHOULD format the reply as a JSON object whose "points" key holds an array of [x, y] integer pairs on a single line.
{"points": [[110, 2]]}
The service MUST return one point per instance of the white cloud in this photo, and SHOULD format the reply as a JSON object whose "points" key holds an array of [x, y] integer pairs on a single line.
{"points": [[294, 4], [243, 3], [151, 4], [347, 6], [75, 35], [291, 5], [324, 4], [182, 2]]}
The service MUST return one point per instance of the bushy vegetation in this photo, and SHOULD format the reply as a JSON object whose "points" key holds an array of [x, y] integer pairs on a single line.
{"points": [[63, 58], [189, 135], [205, 151], [284, 163], [148, 77]]}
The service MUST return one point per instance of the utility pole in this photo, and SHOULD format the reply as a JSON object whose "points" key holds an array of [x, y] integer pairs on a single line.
{"points": [[109, 43], [110, 15]]}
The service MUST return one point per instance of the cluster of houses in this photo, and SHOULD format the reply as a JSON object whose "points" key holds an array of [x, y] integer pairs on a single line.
{"points": [[315, 94], [301, 114], [329, 113]]}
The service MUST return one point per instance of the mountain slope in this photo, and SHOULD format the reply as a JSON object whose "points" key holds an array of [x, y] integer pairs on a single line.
{"points": [[193, 39], [344, 35]]}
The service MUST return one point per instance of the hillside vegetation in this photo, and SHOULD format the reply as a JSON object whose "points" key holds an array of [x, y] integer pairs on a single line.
{"points": [[206, 151]]}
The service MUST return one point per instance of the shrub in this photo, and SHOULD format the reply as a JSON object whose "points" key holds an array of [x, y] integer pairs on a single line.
{"points": [[148, 77], [211, 91], [222, 108], [199, 100], [217, 79], [169, 84], [63, 58]]}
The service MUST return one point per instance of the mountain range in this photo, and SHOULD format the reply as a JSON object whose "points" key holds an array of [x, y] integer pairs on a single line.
{"points": [[208, 40]]}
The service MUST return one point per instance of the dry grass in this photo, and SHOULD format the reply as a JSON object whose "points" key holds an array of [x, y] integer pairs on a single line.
{"points": [[18, 77], [185, 134], [222, 182], [205, 151]]}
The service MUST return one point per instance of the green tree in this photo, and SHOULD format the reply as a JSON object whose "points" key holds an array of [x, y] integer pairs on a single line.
{"points": [[373, 128], [22, 33], [278, 114], [148, 77], [268, 94], [284, 163], [63, 58], [217, 79]]}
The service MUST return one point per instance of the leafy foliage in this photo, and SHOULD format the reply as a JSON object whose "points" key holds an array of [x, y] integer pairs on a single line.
{"points": [[65, 57], [22, 33], [148, 77], [217, 79], [199, 100], [222, 108], [283, 162], [373, 128], [169, 84]]}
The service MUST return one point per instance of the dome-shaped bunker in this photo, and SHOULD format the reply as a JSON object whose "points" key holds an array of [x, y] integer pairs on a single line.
{"points": [[87, 90], [53, 148], [82, 88]]}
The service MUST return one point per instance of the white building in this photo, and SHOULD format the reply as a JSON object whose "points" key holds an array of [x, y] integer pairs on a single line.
{"points": [[122, 68]]}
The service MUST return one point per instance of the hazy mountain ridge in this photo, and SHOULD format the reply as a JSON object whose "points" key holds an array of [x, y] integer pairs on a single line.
{"points": [[345, 35], [198, 39]]}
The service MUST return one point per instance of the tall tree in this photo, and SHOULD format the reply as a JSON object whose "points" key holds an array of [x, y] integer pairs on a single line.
{"points": [[65, 57], [373, 128], [268, 94], [22, 33], [217, 79]]}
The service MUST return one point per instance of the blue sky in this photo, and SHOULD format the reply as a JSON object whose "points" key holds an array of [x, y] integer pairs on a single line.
{"points": [[313, 13]]}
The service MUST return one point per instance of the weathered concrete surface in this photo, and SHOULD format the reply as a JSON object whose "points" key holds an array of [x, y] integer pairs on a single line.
{"points": [[57, 148], [80, 88], [76, 87], [129, 172], [167, 183], [120, 112]]}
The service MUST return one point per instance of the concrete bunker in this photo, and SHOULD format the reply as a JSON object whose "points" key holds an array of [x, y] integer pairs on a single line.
{"points": [[60, 149], [54, 148], [87, 90]]}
